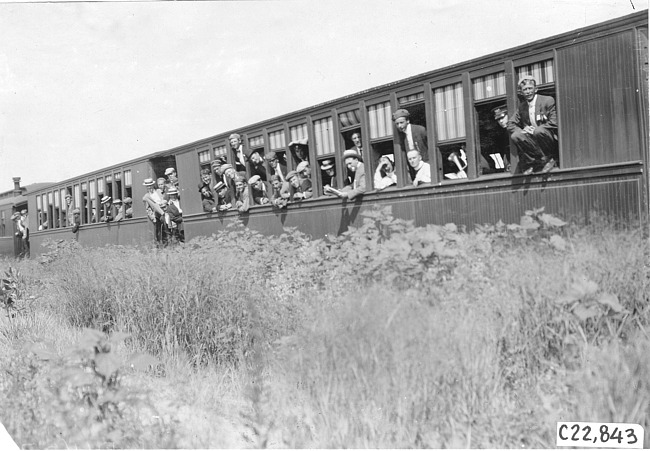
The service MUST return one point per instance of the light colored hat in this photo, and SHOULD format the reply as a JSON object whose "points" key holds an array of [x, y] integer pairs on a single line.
{"points": [[224, 168], [128, 200], [270, 156], [76, 211], [301, 141], [23, 212], [169, 171], [117, 201], [302, 166], [526, 77], [291, 175], [275, 177], [172, 190], [219, 186], [327, 164], [148, 182], [68, 195], [351, 153], [401, 113], [389, 157], [254, 179], [105, 199], [163, 203], [234, 136]]}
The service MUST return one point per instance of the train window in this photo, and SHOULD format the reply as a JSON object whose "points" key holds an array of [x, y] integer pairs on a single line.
{"points": [[128, 184], [160, 164], [324, 136], [204, 159], [205, 169], [50, 210], [299, 144], [108, 190], [380, 142], [277, 145], [94, 204], [405, 100], [59, 201], [117, 177], [256, 157], [450, 131], [544, 74], [493, 140], [84, 205], [327, 173]]}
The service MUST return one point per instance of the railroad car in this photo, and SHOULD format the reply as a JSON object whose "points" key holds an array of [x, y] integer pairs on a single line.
{"points": [[598, 76]]}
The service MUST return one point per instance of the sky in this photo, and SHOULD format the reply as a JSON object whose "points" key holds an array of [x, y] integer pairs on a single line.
{"points": [[85, 85]]}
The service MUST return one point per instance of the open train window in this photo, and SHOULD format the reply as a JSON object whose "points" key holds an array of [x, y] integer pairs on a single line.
{"points": [[160, 164], [413, 103], [450, 132], [108, 190], [256, 164], [380, 125], [299, 144], [85, 203], [325, 148], [117, 181], [493, 143], [277, 145], [544, 74], [351, 138]]}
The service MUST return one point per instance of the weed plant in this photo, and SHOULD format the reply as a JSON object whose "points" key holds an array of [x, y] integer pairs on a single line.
{"points": [[388, 335]]}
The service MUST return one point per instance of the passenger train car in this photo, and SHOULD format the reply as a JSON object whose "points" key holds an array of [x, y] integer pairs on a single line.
{"points": [[598, 76]]}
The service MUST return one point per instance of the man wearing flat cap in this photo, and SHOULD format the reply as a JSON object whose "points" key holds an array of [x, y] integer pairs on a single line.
{"points": [[119, 209], [411, 136], [278, 187], [293, 191], [228, 175], [238, 150], [533, 128], [356, 186], [259, 190], [304, 174], [278, 164], [496, 157], [256, 163]]}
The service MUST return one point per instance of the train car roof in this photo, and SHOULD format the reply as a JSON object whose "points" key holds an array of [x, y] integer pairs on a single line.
{"points": [[7, 197]]}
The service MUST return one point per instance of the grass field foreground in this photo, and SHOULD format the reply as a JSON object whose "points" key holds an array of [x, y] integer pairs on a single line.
{"points": [[387, 336]]}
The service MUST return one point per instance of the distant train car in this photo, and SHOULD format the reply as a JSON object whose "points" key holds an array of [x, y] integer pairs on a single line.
{"points": [[14, 202], [597, 75]]}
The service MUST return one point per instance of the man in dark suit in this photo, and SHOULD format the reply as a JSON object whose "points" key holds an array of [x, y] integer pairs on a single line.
{"points": [[278, 165], [533, 128], [411, 136]]}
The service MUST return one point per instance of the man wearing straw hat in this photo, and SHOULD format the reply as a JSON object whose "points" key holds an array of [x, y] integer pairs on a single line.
{"points": [[152, 201], [107, 209]]}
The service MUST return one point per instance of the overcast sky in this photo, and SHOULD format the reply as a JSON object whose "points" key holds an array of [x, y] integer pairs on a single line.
{"points": [[88, 85]]}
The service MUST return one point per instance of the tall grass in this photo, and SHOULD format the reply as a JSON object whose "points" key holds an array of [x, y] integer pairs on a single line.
{"points": [[390, 335]]}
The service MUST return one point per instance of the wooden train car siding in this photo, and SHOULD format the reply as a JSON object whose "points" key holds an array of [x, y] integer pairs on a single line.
{"points": [[615, 192], [597, 94]]}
